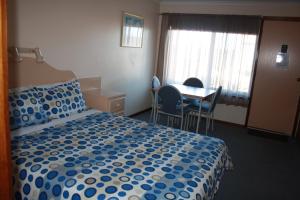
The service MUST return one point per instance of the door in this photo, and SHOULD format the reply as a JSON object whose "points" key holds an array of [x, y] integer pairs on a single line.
{"points": [[276, 90], [5, 169]]}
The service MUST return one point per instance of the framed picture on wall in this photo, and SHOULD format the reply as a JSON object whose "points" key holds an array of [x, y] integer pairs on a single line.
{"points": [[132, 30]]}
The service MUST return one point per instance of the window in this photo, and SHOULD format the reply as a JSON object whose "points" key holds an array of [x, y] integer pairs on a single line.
{"points": [[215, 58]]}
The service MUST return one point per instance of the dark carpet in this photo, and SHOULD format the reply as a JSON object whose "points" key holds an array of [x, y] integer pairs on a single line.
{"points": [[264, 168]]}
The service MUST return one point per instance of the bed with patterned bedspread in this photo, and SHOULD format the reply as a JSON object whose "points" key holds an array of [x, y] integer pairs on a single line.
{"points": [[102, 156]]}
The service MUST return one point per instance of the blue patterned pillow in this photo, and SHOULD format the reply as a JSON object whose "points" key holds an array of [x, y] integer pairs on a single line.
{"points": [[62, 100], [25, 109]]}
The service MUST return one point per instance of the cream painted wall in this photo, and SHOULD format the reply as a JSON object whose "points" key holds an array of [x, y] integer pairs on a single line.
{"points": [[237, 8], [233, 114], [84, 36]]}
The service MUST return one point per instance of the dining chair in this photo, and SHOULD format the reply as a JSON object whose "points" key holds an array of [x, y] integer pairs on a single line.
{"points": [[155, 85], [194, 82], [171, 104], [207, 109]]}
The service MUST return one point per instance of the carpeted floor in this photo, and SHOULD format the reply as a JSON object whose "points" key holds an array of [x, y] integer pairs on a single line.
{"points": [[265, 169]]}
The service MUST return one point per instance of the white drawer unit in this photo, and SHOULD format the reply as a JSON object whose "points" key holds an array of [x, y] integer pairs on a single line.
{"points": [[117, 104], [105, 100]]}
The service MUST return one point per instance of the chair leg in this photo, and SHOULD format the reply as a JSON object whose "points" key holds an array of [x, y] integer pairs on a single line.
{"points": [[187, 122], [151, 115], [207, 124], [196, 120], [212, 121], [156, 118], [181, 124], [192, 120]]}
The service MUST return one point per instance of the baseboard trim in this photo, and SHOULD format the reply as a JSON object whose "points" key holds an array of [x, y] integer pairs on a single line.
{"points": [[268, 134], [216, 120], [229, 123], [138, 113]]}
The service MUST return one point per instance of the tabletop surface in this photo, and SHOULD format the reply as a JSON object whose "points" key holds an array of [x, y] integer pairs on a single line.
{"points": [[194, 92]]}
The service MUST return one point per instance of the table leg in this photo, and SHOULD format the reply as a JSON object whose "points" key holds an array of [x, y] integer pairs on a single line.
{"points": [[199, 116]]}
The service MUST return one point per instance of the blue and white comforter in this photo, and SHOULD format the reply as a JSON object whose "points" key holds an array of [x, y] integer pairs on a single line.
{"points": [[102, 156]]}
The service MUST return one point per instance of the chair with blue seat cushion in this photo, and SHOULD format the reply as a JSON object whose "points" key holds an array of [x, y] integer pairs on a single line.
{"points": [[193, 82], [25, 109], [155, 85], [207, 109], [171, 103]]}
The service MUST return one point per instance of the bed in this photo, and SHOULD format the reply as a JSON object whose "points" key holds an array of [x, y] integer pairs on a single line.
{"points": [[96, 155]]}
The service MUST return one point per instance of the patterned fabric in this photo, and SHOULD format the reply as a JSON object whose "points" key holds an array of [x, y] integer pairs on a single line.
{"points": [[106, 157], [61, 100], [25, 109]]}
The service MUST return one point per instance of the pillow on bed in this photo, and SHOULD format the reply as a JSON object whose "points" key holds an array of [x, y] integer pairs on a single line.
{"points": [[61, 100], [25, 109]]}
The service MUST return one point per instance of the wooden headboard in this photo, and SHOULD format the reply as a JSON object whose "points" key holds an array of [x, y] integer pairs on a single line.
{"points": [[29, 72]]}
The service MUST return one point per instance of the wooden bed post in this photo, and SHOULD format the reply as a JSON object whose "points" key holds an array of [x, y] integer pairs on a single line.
{"points": [[5, 161]]}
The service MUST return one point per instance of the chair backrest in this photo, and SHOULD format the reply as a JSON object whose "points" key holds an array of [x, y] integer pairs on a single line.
{"points": [[155, 82], [155, 85], [215, 99], [170, 99], [194, 82]]}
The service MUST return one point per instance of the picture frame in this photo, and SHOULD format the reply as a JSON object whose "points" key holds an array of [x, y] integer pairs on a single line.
{"points": [[132, 31]]}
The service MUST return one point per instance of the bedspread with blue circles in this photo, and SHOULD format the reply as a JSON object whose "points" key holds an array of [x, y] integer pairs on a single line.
{"points": [[102, 156]]}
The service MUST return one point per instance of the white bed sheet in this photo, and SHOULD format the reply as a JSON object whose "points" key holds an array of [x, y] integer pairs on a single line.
{"points": [[30, 129]]}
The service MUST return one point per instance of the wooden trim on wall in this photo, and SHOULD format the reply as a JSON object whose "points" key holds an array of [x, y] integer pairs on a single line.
{"points": [[5, 159], [254, 71], [267, 134], [296, 128], [271, 18], [140, 112], [229, 123]]}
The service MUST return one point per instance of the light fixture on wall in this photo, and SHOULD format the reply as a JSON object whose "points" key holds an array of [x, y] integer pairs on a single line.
{"points": [[17, 51], [282, 57]]}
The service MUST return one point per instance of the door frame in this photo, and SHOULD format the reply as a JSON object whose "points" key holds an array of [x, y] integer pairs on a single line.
{"points": [[267, 18], [296, 129], [5, 153]]}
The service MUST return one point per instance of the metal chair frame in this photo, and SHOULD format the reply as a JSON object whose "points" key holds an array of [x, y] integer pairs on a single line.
{"points": [[171, 116], [209, 115], [154, 89]]}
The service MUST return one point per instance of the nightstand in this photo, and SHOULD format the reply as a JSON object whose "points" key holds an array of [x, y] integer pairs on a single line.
{"points": [[106, 100], [112, 101]]}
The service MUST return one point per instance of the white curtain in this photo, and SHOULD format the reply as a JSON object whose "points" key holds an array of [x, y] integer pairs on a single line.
{"points": [[215, 58]]}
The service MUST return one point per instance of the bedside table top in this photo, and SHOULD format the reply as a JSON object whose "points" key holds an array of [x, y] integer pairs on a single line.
{"points": [[111, 94], [104, 93]]}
